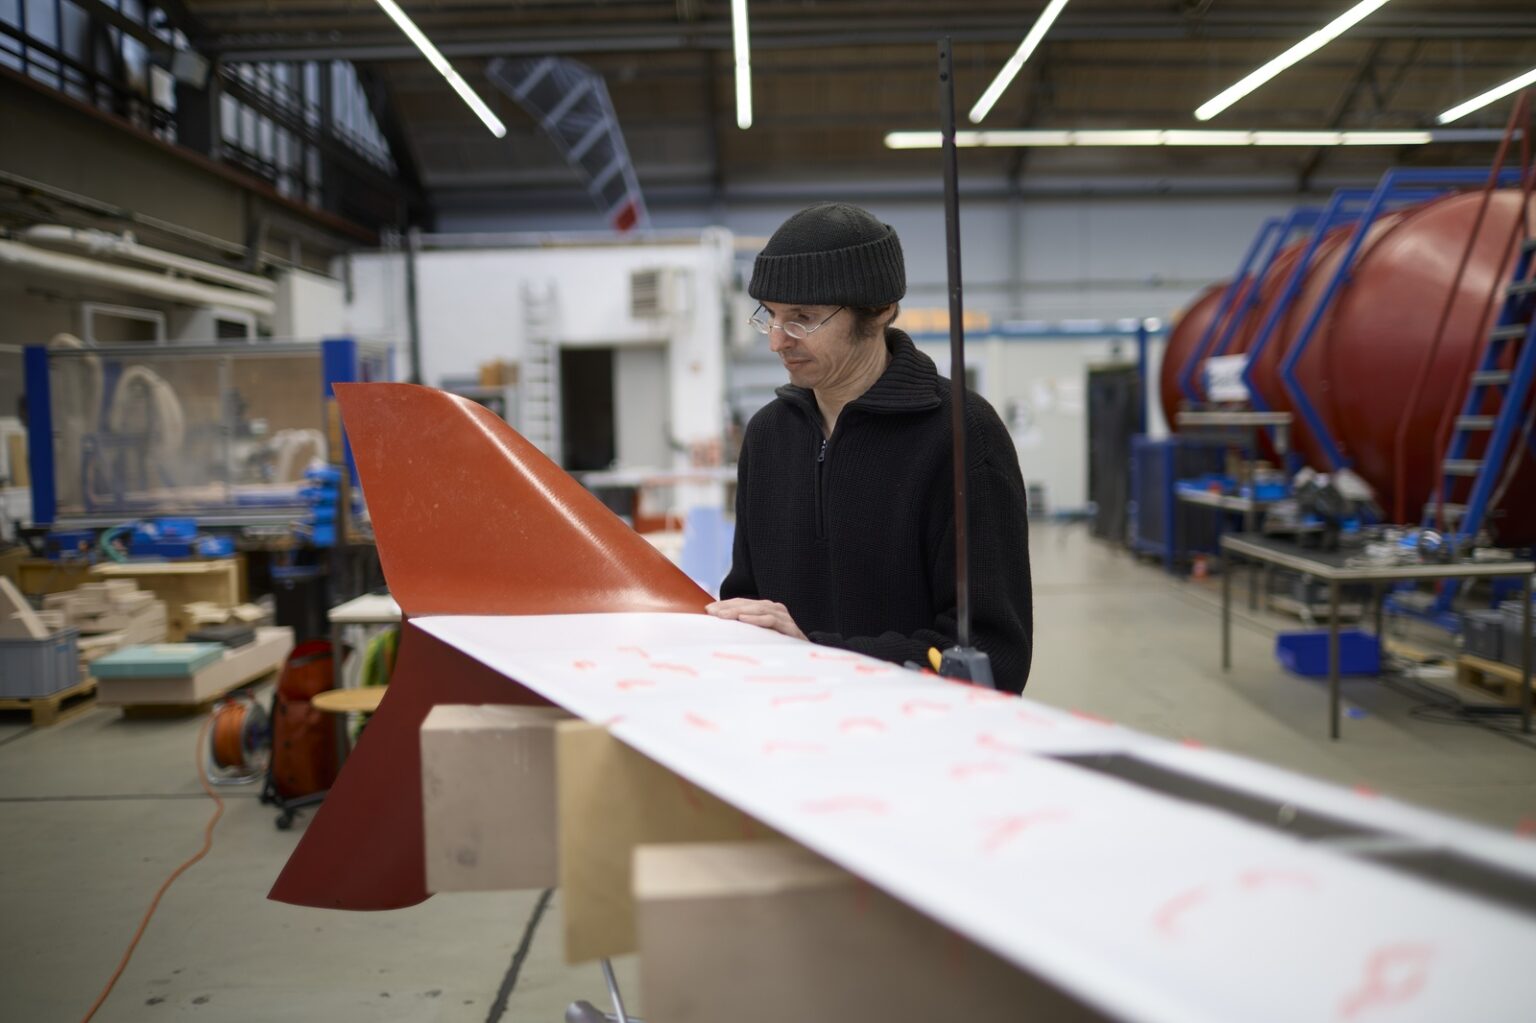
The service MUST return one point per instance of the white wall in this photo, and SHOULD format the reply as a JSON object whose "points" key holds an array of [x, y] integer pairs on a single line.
{"points": [[1039, 388], [470, 310], [1037, 258], [309, 306]]}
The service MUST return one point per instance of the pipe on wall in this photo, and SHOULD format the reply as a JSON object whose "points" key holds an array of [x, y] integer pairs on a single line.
{"points": [[143, 282], [125, 246]]}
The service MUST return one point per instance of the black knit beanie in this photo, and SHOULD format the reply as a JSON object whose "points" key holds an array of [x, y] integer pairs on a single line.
{"points": [[832, 253]]}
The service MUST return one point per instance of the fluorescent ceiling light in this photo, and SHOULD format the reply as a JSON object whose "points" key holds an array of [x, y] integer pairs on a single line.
{"points": [[743, 64], [1006, 75], [1301, 51], [1491, 96], [1178, 137], [437, 60]]}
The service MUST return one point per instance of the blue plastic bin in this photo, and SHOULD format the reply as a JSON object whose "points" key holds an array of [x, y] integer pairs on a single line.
{"points": [[1306, 653]]}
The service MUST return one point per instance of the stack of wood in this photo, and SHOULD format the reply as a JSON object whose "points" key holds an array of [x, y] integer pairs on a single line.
{"points": [[109, 616], [203, 612], [17, 618]]}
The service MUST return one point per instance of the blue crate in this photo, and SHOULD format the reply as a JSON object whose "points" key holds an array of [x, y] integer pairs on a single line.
{"points": [[1306, 653]]}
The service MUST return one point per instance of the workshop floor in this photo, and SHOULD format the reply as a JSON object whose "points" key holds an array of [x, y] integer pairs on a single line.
{"points": [[95, 812]]}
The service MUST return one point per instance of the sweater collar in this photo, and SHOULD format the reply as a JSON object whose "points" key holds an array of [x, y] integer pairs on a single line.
{"points": [[909, 383]]}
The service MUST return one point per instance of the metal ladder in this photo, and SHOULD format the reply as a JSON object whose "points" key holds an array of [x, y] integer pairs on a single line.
{"points": [[1511, 341], [540, 380]]}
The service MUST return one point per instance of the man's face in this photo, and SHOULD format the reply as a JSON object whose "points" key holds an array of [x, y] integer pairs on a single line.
{"points": [[826, 355]]}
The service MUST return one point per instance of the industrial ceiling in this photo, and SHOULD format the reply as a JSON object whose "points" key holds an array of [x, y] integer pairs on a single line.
{"points": [[831, 77]]}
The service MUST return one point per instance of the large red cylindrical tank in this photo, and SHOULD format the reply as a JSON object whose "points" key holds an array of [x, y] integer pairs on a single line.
{"points": [[1189, 327], [1310, 370], [1382, 328]]}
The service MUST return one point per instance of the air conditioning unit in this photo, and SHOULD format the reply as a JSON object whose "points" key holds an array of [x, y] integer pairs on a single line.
{"points": [[657, 292]]}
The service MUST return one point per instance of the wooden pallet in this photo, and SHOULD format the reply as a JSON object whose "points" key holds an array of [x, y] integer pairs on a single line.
{"points": [[1491, 677], [61, 706]]}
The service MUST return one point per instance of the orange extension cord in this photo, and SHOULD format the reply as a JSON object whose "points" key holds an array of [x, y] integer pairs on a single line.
{"points": [[229, 734], [202, 776]]}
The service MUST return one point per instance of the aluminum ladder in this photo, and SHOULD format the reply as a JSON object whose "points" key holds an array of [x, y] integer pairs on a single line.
{"points": [[539, 419]]}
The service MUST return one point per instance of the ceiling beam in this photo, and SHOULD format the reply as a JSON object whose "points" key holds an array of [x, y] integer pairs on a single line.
{"points": [[297, 41]]}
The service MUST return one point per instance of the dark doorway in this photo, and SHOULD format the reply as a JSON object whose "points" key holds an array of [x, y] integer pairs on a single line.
{"points": [[586, 409], [1114, 412]]}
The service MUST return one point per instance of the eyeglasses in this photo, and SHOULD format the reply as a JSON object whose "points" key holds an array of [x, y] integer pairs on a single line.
{"points": [[763, 324]]}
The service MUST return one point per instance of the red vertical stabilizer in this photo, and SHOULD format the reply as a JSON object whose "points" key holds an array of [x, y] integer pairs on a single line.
{"points": [[470, 519]]}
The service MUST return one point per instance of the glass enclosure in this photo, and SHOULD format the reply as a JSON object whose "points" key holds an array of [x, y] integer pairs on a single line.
{"points": [[219, 433]]}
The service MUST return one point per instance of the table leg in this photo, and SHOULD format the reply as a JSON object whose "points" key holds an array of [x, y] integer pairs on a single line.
{"points": [[1253, 587], [1333, 659], [1525, 654], [1224, 565], [1379, 591]]}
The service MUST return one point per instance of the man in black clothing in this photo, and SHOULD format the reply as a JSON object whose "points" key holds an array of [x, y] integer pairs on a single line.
{"points": [[844, 500]]}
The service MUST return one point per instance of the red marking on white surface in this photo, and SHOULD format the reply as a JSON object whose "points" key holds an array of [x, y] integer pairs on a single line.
{"points": [[863, 895], [1006, 830], [773, 746], [690, 794], [817, 655], [681, 669], [1366, 791], [1167, 918], [873, 669], [1255, 879], [918, 706], [847, 804], [1394, 975], [702, 724], [960, 772], [781, 680], [817, 697], [1029, 717], [1091, 718], [988, 741], [854, 724], [583, 665], [637, 651], [613, 720], [743, 658], [1192, 743], [626, 684], [980, 695]]}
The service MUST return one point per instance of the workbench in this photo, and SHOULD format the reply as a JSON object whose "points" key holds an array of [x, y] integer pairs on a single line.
{"points": [[1337, 568]]}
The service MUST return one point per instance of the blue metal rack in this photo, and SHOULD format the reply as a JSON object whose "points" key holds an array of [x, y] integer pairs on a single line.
{"points": [[1243, 292]]}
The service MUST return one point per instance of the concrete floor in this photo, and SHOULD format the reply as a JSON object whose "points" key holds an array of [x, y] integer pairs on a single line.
{"points": [[94, 813]]}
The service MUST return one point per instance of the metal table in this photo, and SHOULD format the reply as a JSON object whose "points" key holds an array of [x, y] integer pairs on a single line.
{"points": [[1334, 569]]}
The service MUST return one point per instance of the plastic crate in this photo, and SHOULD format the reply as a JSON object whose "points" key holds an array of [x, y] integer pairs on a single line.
{"points": [[1306, 653], [39, 667], [1510, 611], [1484, 633]]}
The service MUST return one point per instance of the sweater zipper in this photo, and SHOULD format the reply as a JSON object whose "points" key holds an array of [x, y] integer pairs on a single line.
{"points": [[821, 514]]}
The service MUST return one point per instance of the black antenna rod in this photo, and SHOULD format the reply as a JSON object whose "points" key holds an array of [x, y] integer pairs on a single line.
{"points": [[956, 340], [961, 661]]}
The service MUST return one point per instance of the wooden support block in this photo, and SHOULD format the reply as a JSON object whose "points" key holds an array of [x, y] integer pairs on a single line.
{"points": [[611, 799], [488, 797], [768, 932], [17, 619]]}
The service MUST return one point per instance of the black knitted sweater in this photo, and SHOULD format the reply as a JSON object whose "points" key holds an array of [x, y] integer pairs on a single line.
{"points": [[854, 534]]}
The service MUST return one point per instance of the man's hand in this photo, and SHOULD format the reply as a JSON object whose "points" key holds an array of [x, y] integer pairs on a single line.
{"points": [[765, 614]]}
